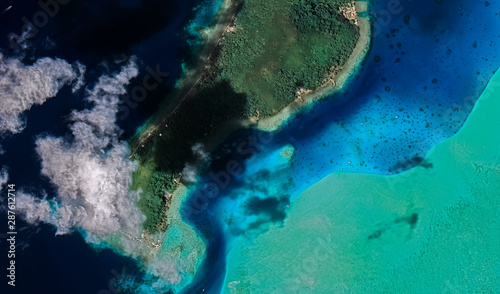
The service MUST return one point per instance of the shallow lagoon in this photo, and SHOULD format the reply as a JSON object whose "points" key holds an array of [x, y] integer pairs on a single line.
{"points": [[419, 82], [447, 51], [71, 35], [432, 229]]}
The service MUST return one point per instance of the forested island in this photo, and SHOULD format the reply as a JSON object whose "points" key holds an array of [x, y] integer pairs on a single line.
{"points": [[261, 56]]}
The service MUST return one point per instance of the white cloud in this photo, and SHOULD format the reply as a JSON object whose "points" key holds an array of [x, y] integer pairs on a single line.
{"points": [[190, 171], [34, 210], [160, 268], [199, 151], [23, 86], [4, 178], [92, 172]]}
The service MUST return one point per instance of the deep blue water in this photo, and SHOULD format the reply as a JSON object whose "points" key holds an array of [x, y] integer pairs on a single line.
{"points": [[98, 33], [428, 63], [427, 73], [95, 33]]}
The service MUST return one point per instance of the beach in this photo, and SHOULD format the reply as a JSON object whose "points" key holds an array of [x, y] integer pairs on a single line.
{"points": [[192, 77], [355, 59], [384, 235], [185, 86], [386, 124]]}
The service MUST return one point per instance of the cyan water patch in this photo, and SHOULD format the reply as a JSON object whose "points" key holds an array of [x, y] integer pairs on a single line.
{"points": [[426, 68], [423, 231], [429, 62], [205, 13]]}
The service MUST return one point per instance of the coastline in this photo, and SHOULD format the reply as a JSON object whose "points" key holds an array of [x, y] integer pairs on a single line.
{"points": [[213, 35], [186, 85], [181, 241], [273, 123], [333, 214], [357, 56]]}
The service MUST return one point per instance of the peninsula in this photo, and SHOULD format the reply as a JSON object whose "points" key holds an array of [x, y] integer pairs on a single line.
{"points": [[263, 61]]}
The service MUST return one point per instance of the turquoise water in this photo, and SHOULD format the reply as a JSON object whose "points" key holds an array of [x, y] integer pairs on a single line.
{"points": [[205, 13], [428, 64], [95, 33], [432, 229], [426, 68]]}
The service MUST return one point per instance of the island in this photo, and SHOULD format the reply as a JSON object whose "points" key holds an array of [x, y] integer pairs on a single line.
{"points": [[261, 62]]}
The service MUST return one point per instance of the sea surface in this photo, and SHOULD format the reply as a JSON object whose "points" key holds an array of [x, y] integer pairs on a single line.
{"points": [[428, 63], [431, 229], [101, 35]]}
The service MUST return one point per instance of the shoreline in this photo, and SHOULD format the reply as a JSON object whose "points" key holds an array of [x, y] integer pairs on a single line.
{"points": [[192, 77], [192, 242], [273, 123], [186, 85], [318, 212], [355, 59], [214, 35]]}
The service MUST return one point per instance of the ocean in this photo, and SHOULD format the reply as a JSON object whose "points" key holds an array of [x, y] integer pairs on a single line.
{"points": [[100, 35], [428, 63]]}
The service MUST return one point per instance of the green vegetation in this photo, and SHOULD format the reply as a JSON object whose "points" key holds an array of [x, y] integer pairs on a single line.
{"points": [[163, 157], [155, 185], [281, 46], [277, 48], [427, 230]]}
